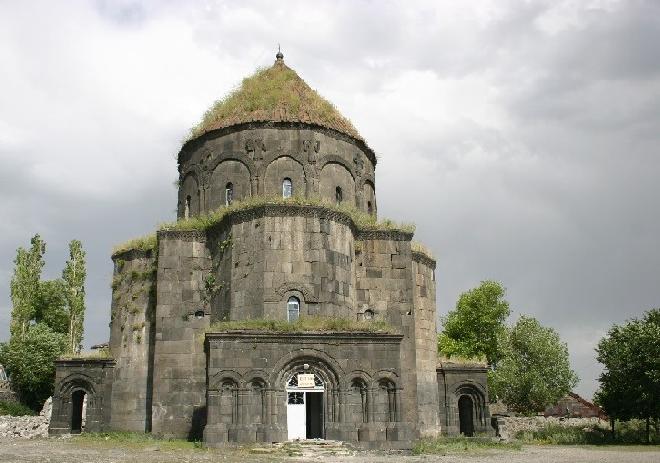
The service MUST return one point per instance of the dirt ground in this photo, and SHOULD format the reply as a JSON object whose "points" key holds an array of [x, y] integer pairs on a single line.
{"points": [[68, 451]]}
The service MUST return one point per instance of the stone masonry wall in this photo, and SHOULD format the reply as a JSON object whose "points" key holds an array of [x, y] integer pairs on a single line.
{"points": [[182, 316], [384, 285], [265, 155], [132, 322], [426, 354]]}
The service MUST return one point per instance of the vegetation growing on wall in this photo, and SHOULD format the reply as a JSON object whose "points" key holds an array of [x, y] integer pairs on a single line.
{"points": [[276, 93], [143, 243], [306, 324]]}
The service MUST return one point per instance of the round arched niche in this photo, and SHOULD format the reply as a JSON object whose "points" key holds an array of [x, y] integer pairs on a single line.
{"points": [[282, 168], [336, 178], [229, 172]]}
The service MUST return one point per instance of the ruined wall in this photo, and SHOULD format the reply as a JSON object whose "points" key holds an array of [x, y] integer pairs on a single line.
{"points": [[182, 315], [132, 324], [316, 160]]}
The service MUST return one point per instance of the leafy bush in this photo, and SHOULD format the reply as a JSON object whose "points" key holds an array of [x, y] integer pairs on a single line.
{"points": [[15, 409], [449, 445]]}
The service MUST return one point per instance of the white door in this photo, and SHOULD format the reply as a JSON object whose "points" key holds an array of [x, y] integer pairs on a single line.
{"points": [[296, 415]]}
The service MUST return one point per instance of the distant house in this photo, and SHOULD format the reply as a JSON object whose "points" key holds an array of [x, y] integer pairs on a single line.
{"points": [[574, 406]]}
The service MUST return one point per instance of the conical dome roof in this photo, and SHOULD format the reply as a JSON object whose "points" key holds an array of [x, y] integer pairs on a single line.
{"points": [[275, 94]]}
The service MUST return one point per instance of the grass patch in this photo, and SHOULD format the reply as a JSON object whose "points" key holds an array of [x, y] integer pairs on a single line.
{"points": [[362, 220], [144, 243], [631, 432], [15, 409], [479, 361], [454, 445], [135, 440], [416, 246], [305, 325], [89, 355], [274, 93]]}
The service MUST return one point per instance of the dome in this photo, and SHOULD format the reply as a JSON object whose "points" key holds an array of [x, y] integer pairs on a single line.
{"points": [[275, 94]]}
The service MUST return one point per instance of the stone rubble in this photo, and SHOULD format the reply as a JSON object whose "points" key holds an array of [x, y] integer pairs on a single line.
{"points": [[26, 427], [509, 426]]}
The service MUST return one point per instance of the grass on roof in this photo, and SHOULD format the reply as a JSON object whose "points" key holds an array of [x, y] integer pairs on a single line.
{"points": [[144, 243], [305, 325], [416, 246], [274, 88], [362, 220], [479, 361]]}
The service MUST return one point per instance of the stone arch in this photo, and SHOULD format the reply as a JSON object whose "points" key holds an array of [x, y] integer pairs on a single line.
{"points": [[357, 397], [333, 176], [255, 409], [77, 381], [476, 393], [233, 156], [328, 368], [335, 159], [305, 290], [216, 381], [385, 402], [76, 393], [228, 390], [227, 171], [189, 195], [282, 167], [368, 197]]}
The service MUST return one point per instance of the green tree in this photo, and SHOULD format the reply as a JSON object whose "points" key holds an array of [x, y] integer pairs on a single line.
{"points": [[51, 306], [24, 285], [73, 275], [630, 382], [31, 363], [535, 370], [476, 327]]}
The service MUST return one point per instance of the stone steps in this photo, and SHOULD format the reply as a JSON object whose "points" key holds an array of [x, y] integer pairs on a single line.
{"points": [[312, 448]]}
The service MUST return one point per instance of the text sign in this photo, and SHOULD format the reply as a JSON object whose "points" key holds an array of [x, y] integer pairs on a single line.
{"points": [[306, 380]]}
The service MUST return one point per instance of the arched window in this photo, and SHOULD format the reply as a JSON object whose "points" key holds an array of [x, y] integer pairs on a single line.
{"points": [[370, 208], [368, 314], [293, 309], [287, 188], [338, 195], [229, 194], [186, 208]]}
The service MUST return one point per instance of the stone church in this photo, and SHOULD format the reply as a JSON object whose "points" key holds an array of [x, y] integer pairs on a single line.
{"points": [[277, 227]]}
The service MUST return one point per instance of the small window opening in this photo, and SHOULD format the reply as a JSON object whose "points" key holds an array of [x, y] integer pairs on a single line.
{"points": [[229, 194], [199, 314], [338, 195], [186, 208], [287, 188], [368, 314], [293, 309], [370, 208]]}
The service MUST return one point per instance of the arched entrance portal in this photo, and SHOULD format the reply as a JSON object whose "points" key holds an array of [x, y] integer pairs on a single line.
{"points": [[77, 411], [465, 416], [304, 409]]}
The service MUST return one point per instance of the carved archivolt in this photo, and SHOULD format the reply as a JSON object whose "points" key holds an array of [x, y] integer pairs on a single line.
{"points": [[304, 289]]}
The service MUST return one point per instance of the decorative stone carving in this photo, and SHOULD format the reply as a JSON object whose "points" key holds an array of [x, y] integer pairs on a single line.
{"points": [[255, 148]]}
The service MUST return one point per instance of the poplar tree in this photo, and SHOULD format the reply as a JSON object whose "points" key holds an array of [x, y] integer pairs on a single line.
{"points": [[25, 286], [73, 276]]}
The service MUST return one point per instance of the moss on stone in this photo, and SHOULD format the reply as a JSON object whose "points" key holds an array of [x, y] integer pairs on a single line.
{"points": [[362, 220], [143, 243], [274, 94], [306, 325]]}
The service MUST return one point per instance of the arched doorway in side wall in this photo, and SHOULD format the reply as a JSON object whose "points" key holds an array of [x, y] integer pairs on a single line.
{"points": [[77, 411], [304, 410], [465, 416]]}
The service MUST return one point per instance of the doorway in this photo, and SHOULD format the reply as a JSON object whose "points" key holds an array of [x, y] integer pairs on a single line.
{"points": [[304, 409], [77, 406], [465, 416]]}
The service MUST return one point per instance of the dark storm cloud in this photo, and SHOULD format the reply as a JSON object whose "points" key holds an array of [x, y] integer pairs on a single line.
{"points": [[520, 137]]}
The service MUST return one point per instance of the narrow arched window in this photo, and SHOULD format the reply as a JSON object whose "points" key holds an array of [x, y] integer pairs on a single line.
{"points": [[370, 208], [186, 208], [229, 194], [287, 188], [293, 309], [338, 195], [368, 314]]}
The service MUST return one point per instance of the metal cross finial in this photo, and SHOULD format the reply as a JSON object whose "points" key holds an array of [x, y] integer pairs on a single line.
{"points": [[279, 55]]}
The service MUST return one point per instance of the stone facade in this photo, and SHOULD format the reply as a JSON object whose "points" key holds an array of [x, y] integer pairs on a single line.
{"points": [[174, 375]]}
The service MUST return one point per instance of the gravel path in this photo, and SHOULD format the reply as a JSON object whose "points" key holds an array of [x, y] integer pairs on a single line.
{"points": [[64, 451]]}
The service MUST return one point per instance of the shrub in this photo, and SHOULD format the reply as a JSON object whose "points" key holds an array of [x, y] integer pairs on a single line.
{"points": [[15, 409]]}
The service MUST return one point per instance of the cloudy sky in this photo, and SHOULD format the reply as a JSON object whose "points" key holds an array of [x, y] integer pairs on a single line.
{"points": [[521, 137]]}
